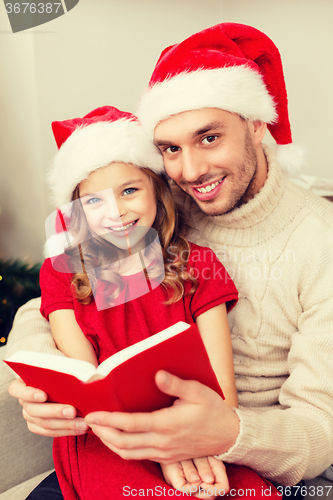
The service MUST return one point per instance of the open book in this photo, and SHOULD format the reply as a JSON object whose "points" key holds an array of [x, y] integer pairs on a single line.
{"points": [[129, 375]]}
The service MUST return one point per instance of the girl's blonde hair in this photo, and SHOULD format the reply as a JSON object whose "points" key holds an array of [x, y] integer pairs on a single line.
{"points": [[94, 252]]}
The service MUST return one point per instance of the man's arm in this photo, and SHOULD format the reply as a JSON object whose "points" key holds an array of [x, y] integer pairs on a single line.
{"points": [[31, 332]]}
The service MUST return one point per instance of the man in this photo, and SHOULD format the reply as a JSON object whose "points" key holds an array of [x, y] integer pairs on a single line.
{"points": [[208, 104]]}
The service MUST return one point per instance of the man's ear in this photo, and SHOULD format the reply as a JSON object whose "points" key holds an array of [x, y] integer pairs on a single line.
{"points": [[257, 129]]}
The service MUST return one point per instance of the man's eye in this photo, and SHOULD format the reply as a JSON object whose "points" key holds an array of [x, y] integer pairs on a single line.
{"points": [[172, 149], [209, 139], [128, 191]]}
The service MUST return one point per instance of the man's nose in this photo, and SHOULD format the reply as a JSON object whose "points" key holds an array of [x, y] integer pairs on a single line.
{"points": [[194, 165]]}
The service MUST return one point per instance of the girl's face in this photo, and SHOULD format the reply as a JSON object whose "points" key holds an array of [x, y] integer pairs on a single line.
{"points": [[120, 204]]}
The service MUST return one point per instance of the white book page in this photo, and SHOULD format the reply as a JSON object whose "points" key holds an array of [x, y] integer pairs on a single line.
{"points": [[84, 370], [76, 367], [127, 353]]}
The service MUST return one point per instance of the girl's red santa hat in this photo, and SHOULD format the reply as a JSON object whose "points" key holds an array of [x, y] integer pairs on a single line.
{"points": [[103, 136], [231, 67]]}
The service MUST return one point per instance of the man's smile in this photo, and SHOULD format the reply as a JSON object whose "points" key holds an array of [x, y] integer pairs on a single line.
{"points": [[208, 191]]}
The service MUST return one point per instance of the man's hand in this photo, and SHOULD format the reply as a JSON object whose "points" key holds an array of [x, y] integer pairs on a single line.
{"points": [[46, 419], [198, 424]]}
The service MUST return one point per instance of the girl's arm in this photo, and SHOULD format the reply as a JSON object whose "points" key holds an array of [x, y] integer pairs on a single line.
{"points": [[69, 337], [215, 333]]}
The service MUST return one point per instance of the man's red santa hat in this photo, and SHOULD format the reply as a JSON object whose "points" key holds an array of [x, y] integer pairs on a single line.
{"points": [[231, 67]]}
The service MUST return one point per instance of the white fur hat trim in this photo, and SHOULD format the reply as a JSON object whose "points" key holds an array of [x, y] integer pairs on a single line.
{"points": [[238, 89]]}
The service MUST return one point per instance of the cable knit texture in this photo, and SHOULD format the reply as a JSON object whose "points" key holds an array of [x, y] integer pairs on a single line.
{"points": [[278, 250]]}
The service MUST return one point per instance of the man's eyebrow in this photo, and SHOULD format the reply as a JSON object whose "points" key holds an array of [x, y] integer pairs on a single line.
{"points": [[209, 127], [162, 142]]}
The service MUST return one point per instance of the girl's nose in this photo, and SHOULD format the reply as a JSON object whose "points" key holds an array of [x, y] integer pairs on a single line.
{"points": [[112, 209]]}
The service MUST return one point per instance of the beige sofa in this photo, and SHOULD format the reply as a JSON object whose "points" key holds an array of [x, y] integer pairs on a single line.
{"points": [[25, 458]]}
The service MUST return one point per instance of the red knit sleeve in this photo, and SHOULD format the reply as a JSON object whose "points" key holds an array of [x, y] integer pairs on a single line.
{"points": [[55, 288], [214, 283]]}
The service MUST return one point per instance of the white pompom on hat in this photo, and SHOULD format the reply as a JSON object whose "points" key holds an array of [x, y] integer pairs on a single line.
{"points": [[103, 136], [229, 66]]}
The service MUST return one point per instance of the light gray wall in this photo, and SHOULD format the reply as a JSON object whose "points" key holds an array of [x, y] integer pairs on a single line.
{"points": [[103, 52]]}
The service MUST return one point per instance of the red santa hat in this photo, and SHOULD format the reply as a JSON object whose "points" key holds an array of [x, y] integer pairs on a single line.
{"points": [[231, 67], [103, 136]]}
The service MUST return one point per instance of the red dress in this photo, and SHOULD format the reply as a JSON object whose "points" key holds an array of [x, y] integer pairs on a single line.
{"points": [[86, 468]]}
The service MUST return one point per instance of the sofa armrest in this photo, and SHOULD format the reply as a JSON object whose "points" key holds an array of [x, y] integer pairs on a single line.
{"points": [[23, 454]]}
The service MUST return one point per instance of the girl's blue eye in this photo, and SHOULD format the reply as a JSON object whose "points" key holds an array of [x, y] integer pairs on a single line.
{"points": [[128, 191], [93, 200]]}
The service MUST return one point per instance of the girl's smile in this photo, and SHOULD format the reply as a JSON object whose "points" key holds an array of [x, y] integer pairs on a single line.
{"points": [[121, 228]]}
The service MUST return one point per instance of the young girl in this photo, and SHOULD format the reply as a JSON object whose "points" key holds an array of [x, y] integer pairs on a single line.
{"points": [[114, 176]]}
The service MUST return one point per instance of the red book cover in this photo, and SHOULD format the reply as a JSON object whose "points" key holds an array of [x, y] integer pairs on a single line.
{"points": [[130, 385]]}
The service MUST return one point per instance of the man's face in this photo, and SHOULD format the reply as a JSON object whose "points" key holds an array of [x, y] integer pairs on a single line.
{"points": [[212, 155]]}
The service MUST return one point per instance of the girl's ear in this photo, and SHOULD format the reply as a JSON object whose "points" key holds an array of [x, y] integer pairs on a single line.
{"points": [[258, 130]]}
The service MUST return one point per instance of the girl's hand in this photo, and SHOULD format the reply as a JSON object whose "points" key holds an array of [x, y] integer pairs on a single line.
{"points": [[201, 477], [213, 475], [175, 476]]}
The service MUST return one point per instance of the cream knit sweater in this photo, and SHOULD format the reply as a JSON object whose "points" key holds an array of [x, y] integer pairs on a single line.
{"points": [[278, 249]]}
